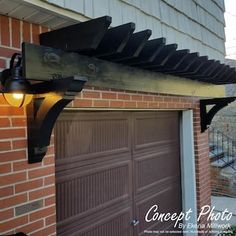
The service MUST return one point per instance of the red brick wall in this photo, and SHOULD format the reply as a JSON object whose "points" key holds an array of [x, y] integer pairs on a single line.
{"points": [[21, 183], [202, 161]]}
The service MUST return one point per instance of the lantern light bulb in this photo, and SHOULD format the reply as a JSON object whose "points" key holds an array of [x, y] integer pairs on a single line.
{"points": [[18, 99], [18, 95]]}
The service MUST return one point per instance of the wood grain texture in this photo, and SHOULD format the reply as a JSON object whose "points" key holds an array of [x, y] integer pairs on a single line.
{"points": [[43, 63]]}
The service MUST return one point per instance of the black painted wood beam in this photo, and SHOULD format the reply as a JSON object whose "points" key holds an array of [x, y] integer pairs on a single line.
{"points": [[220, 75], [80, 37], [229, 77], [173, 62], [114, 41], [213, 76], [133, 47], [148, 53], [205, 70], [195, 67], [162, 56], [185, 64]]}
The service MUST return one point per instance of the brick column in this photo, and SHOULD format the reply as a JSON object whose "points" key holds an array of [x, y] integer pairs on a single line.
{"points": [[27, 192], [202, 161]]}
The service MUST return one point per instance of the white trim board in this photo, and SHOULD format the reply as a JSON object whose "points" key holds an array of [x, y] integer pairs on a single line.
{"points": [[188, 176]]}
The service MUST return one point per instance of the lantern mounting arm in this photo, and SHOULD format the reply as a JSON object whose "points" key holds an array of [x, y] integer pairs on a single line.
{"points": [[44, 109], [217, 104]]}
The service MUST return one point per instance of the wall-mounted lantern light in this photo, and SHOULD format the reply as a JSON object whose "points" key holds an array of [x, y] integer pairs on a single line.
{"points": [[44, 101], [16, 89]]}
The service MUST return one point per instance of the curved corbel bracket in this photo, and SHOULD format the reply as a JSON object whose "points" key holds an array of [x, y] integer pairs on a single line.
{"points": [[217, 104], [42, 113]]}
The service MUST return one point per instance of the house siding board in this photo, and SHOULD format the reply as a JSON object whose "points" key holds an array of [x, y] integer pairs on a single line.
{"points": [[75, 5], [200, 20], [140, 23], [116, 12], [156, 28], [61, 3], [155, 8], [100, 8], [220, 4], [213, 8], [88, 8]]}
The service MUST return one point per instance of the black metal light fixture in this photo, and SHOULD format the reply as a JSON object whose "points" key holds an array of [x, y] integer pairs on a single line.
{"points": [[16, 89], [44, 100]]}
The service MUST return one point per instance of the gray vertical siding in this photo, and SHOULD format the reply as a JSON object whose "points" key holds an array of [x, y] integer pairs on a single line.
{"points": [[194, 24]]}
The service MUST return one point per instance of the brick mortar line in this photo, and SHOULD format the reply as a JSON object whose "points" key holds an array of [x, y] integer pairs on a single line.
{"points": [[23, 170], [38, 230], [12, 207], [135, 100], [135, 93], [28, 214], [21, 31], [13, 127], [12, 116], [10, 48], [52, 224], [48, 185], [45, 222], [12, 150], [31, 179], [31, 32], [14, 172], [4, 58], [24, 181], [10, 31], [29, 201]]}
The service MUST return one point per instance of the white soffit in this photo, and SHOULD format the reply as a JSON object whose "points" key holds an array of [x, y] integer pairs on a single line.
{"points": [[40, 12]]}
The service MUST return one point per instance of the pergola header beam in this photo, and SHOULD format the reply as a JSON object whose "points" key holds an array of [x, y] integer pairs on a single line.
{"points": [[45, 63]]}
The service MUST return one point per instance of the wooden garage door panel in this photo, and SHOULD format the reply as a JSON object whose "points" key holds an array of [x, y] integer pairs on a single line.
{"points": [[115, 221], [153, 169], [156, 171], [118, 226], [84, 194], [153, 128], [91, 134], [111, 167], [167, 198], [93, 173]]}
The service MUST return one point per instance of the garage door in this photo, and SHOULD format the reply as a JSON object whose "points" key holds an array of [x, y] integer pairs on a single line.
{"points": [[111, 167]]}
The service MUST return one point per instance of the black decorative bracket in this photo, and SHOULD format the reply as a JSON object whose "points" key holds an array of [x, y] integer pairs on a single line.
{"points": [[217, 104], [44, 109]]}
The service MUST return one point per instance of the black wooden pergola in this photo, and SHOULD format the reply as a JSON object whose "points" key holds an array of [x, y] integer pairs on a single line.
{"points": [[121, 45], [117, 58]]}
